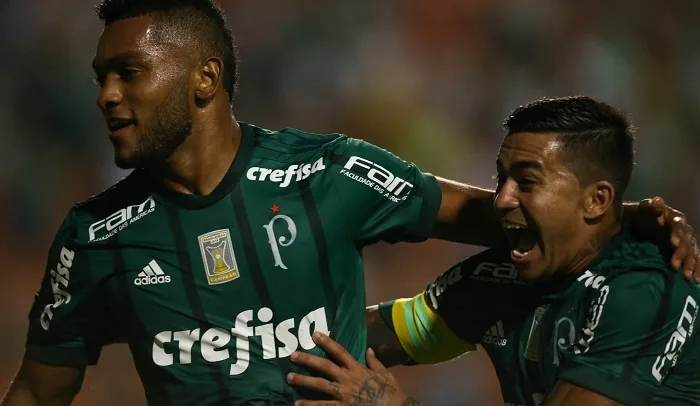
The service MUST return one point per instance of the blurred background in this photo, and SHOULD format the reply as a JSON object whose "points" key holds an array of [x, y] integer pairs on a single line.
{"points": [[431, 80]]}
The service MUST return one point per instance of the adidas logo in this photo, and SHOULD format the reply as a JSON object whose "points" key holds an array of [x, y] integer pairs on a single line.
{"points": [[152, 274], [495, 335]]}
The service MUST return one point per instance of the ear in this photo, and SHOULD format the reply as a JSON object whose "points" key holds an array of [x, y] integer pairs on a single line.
{"points": [[598, 199], [208, 78]]}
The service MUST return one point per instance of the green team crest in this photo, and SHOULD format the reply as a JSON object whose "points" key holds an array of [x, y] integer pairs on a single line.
{"points": [[218, 257]]}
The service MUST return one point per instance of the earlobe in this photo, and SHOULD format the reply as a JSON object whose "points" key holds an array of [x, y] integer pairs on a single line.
{"points": [[599, 199], [208, 78]]}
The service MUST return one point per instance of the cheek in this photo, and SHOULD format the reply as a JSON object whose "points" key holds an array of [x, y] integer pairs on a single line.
{"points": [[151, 89], [557, 210]]}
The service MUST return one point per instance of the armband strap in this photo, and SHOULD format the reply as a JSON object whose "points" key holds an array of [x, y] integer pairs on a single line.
{"points": [[423, 334]]}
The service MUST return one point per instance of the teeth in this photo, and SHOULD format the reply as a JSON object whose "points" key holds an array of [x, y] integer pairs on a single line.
{"points": [[512, 226], [520, 254]]}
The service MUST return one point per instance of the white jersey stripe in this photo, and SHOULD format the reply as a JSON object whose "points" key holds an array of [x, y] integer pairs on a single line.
{"points": [[156, 268]]}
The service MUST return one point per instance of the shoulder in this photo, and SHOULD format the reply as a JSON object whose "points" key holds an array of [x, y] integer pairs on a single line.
{"points": [[639, 298], [290, 141], [639, 266], [488, 274], [126, 199], [492, 267], [631, 254]]}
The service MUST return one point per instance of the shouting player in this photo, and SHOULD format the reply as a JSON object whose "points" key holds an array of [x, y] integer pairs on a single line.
{"points": [[228, 245], [575, 310]]}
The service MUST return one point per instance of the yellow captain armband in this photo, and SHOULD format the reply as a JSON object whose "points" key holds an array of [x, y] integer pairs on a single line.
{"points": [[423, 334]]}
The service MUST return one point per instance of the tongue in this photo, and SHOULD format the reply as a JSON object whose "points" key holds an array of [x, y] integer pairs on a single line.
{"points": [[526, 242]]}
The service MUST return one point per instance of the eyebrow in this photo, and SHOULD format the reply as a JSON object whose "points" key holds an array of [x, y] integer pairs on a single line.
{"points": [[521, 165], [121, 57]]}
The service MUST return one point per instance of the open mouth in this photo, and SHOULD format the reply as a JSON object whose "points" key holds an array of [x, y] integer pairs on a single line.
{"points": [[522, 239], [116, 124]]}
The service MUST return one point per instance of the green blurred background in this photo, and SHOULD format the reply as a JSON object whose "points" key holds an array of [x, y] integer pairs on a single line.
{"points": [[430, 80]]}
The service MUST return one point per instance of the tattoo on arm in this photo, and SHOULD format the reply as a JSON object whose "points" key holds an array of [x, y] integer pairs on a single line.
{"points": [[378, 389], [383, 341], [372, 391]]}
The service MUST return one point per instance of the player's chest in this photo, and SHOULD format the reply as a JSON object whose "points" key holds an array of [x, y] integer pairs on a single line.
{"points": [[535, 347], [192, 264]]}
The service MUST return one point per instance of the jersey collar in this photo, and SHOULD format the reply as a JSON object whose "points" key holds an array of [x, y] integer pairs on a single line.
{"points": [[228, 183]]}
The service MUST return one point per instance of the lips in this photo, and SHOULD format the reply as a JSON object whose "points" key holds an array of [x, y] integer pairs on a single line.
{"points": [[116, 124]]}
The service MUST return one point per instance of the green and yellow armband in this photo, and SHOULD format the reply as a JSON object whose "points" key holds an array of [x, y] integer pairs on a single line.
{"points": [[423, 334]]}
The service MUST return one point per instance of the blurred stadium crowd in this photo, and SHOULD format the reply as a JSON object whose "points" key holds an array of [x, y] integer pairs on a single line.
{"points": [[429, 80]]}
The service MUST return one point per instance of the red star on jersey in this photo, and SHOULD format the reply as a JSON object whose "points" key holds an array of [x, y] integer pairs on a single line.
{"points": [[275, 208]]}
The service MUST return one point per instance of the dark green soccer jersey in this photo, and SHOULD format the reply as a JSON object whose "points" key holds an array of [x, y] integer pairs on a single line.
{"points": [[625, 328], [213, 293]]}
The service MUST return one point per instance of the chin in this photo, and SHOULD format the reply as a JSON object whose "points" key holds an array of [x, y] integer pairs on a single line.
{"points": [[124, 161], [530, 272]]}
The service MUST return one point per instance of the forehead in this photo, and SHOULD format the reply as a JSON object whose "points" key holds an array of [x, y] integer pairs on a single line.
{"points": [[137, 38], [129, 35], [542, 148]]}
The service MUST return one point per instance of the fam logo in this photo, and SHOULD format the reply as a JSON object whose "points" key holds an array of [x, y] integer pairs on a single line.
{"points": [[378, 178], [503, 273], [218, 257], [116, 222]]}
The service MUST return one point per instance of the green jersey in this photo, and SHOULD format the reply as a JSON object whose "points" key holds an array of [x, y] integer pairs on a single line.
{"points": [[213, 293], [624, 328]]}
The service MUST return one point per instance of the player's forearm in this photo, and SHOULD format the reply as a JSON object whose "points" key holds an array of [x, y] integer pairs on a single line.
{"points": [[467, 215], [21, 395], [413, 402], [42, 385], [382, 339], [629, 210]]}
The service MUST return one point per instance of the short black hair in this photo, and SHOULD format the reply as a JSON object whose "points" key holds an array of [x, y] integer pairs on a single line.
{"points": [[203, 20], [597, 140]]}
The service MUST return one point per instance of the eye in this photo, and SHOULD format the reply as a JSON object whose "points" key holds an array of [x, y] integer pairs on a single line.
{"points": [[128, 74], [526, 183]]}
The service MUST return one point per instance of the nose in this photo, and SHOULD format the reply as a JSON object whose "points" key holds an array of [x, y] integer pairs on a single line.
{"points": [[507, 196], [110, 95]]}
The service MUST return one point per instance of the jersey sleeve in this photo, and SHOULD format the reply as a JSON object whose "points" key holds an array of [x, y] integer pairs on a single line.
{"points": [[66, 316], [455, 310], [636, 329], [383, 196]]}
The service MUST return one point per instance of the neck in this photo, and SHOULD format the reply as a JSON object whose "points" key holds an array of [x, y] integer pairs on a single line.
{"points": [[594, 246], [201, 162]]}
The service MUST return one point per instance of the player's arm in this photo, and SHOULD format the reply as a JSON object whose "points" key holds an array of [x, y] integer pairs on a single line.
{"points": [[387, 198], [444, 321], [467, 215], [568, 394], [66, 328], [383, 340], [637, 329], [38, 384]]}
